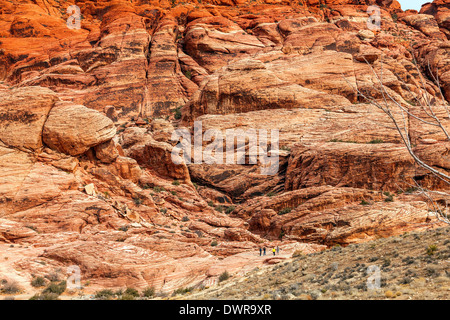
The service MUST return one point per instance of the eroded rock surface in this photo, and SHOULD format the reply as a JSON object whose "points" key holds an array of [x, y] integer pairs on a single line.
{"points": [[87, 118]]}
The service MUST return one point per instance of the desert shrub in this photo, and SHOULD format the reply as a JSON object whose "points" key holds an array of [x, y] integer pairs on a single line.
{"points": [[45, 296], [158, 189], [230, 209], [182, 290], [10, 287], [176, 182], [132, 292], [137, 201], [411, 190], [214, 243], [177, 113], [284, 211], [53, 276], [224, 276], [127, 297], [199, 233], [149, 292], [432, 248], [56, 288], [38, 282], [105, 294]]}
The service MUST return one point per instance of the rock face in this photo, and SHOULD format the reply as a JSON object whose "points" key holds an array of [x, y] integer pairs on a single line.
{"points": [[389, 166], [73, 129], [87, 116], [23, 114]]}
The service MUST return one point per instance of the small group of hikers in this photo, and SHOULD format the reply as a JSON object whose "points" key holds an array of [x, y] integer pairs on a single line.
{"points": [[262, 251]]}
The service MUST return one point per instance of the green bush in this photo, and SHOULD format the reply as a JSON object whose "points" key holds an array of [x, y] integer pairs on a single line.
{"points": [[376, 141], [132, 292], [230, 209], [158, 189], [284, 211], [149, 292], [176, 182], [45, 296], [105, 294], [182, 290], [56, 288], [214, 243], [177, 113], [432, 248], [127, 297], [38, 282]]}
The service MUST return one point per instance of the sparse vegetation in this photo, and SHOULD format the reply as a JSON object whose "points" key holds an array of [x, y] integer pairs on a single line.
{"points": [[230, 209], [431, 250], [148, 292], [38, 282], [137, 201], [56, 288], [376, 141], [182, 290], [158, 189], [131, 292], [284, 211], [342, 273], [105, 294], [10, 287], [224, 276], [177, 113], [188, 74]]}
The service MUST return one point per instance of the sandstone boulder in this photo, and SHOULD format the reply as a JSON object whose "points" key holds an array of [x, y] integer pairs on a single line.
{"points": [[23, 112], [73, 129]]}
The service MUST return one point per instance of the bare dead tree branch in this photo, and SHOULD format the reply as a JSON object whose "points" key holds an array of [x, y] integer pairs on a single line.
{"points": [[400, 113]]}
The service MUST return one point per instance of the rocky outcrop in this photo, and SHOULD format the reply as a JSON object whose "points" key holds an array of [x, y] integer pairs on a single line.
{"points": [[140, 145], [440, 9], [23, 112], [376, 166], [328, 215], [73, 129], [87, 116]]}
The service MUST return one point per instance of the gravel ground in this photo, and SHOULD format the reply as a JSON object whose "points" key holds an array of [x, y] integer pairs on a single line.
{"points": [[411, 266]]}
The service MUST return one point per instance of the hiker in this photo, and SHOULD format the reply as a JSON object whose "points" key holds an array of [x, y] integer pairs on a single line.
{"points": [[260, 251], [264, 249], [273, 250], [278, 250]]}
